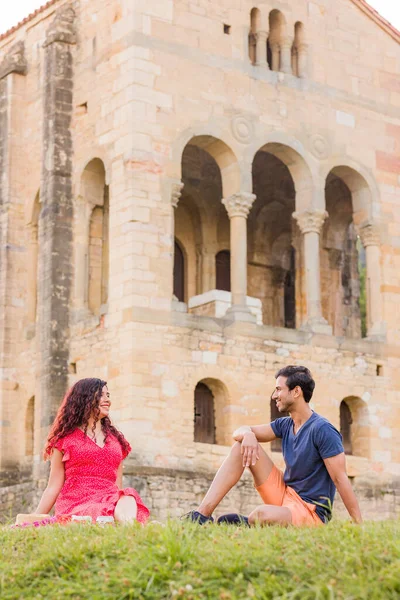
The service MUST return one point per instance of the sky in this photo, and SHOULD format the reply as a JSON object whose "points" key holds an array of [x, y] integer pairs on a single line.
{"points": [[13, 12]]}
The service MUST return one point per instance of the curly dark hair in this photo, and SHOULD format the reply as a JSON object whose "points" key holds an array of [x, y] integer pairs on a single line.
{"points": [[298, 376], [78, 405]]}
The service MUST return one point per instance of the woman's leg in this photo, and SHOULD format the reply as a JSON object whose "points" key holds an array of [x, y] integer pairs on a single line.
{"points": [[126, 510]]}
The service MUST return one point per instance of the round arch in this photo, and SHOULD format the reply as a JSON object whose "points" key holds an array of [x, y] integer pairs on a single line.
{"points": [[98, 154], [219, 150], [93, 182], [362, 186], [229, 412], [221, 402], [292, 154], [360, 426]]}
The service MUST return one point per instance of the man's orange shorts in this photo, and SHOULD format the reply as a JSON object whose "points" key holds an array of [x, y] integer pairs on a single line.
{"points": [[275, 491]]}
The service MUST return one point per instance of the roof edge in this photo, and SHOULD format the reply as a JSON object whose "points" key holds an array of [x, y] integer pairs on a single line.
{"points": [[362, 5], [30, 17], [379, 20]]}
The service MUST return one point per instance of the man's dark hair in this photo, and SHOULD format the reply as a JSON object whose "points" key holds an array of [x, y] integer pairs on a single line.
{"points": [[298, 376]]}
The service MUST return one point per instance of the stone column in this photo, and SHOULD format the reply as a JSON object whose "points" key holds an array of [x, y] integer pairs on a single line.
{"points": [[302, 60], [238, 207], [176, 193], [286, 56], [370, 238], [12, 70], [55, 263], [310, 223], [261, 49], [275, 56]]}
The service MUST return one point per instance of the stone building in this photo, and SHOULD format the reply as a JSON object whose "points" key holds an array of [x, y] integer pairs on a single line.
{"points": [[194, 194]]}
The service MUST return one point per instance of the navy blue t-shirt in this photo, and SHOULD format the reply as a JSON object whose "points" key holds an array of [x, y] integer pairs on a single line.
{"points": [[304, 453]]}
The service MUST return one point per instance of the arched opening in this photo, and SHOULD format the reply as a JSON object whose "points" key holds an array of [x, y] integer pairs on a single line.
{"points": [[204, 415], [342, 263], [254, 28], [223, 270], [94, 232], [215, 418], [276, 33], [274, 243], [345, 427], [355, 426], [30, 427], [202, 223], [179, 273], [299, 51], [360, 193]]}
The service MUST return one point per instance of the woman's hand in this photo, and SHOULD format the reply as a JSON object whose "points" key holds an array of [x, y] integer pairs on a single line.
{"points": [[250, 449]]}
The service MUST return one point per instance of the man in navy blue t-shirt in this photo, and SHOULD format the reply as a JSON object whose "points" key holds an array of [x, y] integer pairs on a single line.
{"points": [[314, 457]]}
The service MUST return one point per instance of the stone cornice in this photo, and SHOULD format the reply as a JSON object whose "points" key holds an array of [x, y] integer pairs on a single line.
{"points": [[239, 205], [62, 28], [14, 61], [310, 220]]}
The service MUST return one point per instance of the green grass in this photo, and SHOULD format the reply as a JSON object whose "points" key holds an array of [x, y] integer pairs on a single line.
{"points": [[181, 560]]}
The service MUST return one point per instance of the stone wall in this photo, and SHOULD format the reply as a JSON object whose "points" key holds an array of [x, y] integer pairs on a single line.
{"points": [[171, 493], [120, 83]]}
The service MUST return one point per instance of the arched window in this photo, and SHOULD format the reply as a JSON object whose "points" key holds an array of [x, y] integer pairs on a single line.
{"points": [[276, 445], [346, 421], [204, 416], [254, 26], [179, 273], [98, 256], [223, 270], [299, 51], [290, 292], [30, 427], [276, 31]]}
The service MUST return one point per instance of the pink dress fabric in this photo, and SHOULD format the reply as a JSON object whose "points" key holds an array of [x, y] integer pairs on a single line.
{"points": [[90, 486]]}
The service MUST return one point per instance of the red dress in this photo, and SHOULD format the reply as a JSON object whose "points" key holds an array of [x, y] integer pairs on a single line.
{"points": [[90, 486]]}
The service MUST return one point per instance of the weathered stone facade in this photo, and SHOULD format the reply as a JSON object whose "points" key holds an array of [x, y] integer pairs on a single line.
{"points": [[139, 136]]}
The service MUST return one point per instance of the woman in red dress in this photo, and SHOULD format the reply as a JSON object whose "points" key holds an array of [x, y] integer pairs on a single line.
{"points": [[86, 453]]}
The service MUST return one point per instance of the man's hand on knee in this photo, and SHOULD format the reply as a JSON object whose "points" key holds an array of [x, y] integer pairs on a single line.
{"points": [[250, 449]]}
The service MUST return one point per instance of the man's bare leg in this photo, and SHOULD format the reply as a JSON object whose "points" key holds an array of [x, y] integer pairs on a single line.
{"points": [[229, 474]]}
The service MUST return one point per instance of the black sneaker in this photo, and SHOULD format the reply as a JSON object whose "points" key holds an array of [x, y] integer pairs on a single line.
{"points": [[233, 519], [197, 517]]}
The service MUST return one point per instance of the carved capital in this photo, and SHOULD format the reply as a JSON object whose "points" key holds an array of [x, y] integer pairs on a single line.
{"points": [[14, 61], [62, 28], [252, 39], [261, 36], [310, 220], [302, 48], [286, 43], [176, 192], [239, 205], [370, 234]]}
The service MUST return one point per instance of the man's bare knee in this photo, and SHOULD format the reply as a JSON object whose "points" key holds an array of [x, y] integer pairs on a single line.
{"points": [[267, 514]]}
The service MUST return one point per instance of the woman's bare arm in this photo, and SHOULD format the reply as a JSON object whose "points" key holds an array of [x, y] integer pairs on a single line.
{"points": [[55, 483]]}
